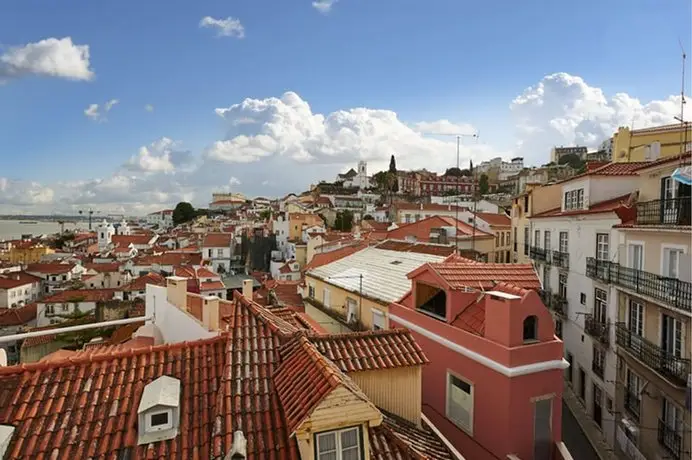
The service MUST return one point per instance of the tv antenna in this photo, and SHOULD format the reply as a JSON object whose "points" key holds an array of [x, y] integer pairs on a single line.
{"points": [[681, 118]]}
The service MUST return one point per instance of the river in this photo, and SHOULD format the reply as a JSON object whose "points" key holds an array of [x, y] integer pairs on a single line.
{"points": [[14, 229]]}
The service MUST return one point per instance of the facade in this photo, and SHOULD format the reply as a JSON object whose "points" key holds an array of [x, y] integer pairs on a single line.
{"points": [[558, 152], [494, 383], [438, 185], [650, 143], [406, 213], [534, 200], [18, 289], [164, 219], [360, 180], [26, 252], [217, 249], [65, 305], [55, 275]]}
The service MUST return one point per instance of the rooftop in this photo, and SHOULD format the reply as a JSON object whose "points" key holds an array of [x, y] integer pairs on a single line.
{"points": [[484, 276]]}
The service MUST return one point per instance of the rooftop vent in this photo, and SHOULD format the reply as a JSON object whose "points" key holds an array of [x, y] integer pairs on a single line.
{"points": [[239, 449], [159, 410]]}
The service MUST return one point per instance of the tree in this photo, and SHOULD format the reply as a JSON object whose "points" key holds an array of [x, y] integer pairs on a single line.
{"points": [[483, 185], [343, 221], [455, 172], [265, 214], [368, 217], [392, 165], [393, 181], [571, 159], [381, 180], [183, 212]]}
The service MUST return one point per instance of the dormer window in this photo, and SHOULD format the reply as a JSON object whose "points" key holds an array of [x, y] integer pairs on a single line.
{"points": [[431, 300], [530, 329], [159, 410], [339, 444]]}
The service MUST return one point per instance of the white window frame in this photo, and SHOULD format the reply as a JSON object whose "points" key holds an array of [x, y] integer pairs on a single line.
{"points": [[678, 328], [600, 246], [630, 254], [337, 442], [667, 248], [377, 317], [669, 407], [448, 388], [640, 316], [166, 426], [326, 297], [632, 376], [600, 305], [564, 248]]}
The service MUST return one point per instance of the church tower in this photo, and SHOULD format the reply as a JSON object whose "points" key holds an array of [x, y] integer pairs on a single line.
{"points": [[104, 232]]}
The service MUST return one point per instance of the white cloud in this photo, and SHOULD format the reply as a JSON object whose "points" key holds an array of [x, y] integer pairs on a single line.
{"points": [[562, 109], [229, 27], [278, 144], [443, 127], [149, 108], [93, 111], [323, 6], [162, 156], [51, 57]]}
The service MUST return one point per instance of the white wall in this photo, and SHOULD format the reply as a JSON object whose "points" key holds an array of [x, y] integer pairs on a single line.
{"points": [[20, 295], [175, 325], [606, 188], [43, 320]]}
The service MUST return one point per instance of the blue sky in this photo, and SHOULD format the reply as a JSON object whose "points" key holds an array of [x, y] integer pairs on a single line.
{"points": [[426, 61]]}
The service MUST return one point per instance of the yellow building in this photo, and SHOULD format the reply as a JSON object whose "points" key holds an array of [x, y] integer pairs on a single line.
{"points": [[649, 143], [534, 200], [27, 253]]}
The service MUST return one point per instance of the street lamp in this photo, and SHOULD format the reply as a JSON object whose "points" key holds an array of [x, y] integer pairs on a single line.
{"points": [[360, 289]]}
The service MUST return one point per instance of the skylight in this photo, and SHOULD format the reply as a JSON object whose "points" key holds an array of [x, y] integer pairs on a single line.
{"points": [[396, 262]]}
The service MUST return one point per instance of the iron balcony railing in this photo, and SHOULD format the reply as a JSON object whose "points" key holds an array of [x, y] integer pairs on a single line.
{"points": [[665, 363], [671, 211], [632, 403], [538, 254], [560, 259], [597, 368], [670, 291], [596, 329], [554, 302], [526, 249], [670, 439]]}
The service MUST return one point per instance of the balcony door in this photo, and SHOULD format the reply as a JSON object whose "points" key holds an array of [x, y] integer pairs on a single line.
{"points": [[669, 207], [542, 430], [600, 310], [635, 324], [636, 256]]}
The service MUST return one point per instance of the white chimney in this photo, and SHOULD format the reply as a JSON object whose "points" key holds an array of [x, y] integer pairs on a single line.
{"points": [[247, 289], [3, 360], [239, 449]]}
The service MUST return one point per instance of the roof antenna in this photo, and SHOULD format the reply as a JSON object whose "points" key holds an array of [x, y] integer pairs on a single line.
{"points": [[681, 119]]}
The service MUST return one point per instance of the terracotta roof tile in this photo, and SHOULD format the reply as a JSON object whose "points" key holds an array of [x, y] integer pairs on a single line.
{"points": [[171, 258], [16, 279], [212, 286], [140, 283], [420, 248], [103, 268], [17, 316], [498, 220], [80, 295], [372, 350], [126, 240], [421, 229], [484, 276], [611, 205], [217, 240], [397, 438], [52, 268]]}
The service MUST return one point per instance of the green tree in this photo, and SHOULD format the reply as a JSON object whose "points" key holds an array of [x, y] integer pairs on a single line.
{"points": [[572, 160], [392, 165], [483, 185], [343, 221], [381, 181], [393, 182], [265, 214], [455, 172], [183, 212]]}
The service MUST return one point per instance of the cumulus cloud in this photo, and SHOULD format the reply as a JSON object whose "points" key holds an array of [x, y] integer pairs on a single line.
{"points": [[323, 6], [278, 144], [229, 27], [562, 109], [52, 57], [163, 156], [95, 113]]}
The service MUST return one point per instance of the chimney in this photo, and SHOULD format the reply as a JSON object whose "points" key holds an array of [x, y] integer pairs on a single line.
{"points": [[239, 449], [176, 291], [3, 357], [247, 289], [210, 312], [421, 206]]}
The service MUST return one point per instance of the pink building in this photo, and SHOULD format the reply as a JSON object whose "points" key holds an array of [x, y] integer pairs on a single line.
{"points": [[494, 384]]}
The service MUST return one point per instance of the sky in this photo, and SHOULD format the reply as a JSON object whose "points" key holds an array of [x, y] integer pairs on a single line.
{"points": [[130, 106]]}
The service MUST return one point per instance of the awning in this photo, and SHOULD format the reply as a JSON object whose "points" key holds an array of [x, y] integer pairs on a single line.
{"points": [[683, 175]]}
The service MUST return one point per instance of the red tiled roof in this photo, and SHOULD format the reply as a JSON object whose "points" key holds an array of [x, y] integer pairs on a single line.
{"points": [[286, 292], [499, 220], [83, 295], [405, 206], [421, 229], [126, 240], [299, 321], [212, 286], [397, 438], [49, 269], [371, 350], [170, 258], [324, 258], [420, 248], [103, 268], [484, 276], [611, 205], [17, 316], [377, 226], [140, 283], [16, 279], [217, 240], [304, 378]]}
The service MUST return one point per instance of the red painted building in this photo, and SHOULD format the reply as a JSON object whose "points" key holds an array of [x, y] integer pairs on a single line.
{"points": [[494, 384]]}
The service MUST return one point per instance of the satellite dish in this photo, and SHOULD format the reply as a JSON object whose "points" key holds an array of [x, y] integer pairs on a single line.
{"points": [[622, 154]]}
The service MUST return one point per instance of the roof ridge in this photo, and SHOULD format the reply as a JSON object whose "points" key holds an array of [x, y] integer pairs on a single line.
{"points": [[358, 334], [70, 361]]}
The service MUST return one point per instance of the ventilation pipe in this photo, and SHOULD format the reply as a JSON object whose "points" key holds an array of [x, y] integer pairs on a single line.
{"points": [[239, 449]]}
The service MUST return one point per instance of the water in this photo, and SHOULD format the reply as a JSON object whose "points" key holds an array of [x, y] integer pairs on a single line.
{"points": [[13, 229]]}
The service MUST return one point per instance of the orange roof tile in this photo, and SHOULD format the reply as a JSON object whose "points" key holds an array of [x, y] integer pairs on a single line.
{"points": [[420, 248], [80, 295], [397, 438], [126, 240], [484, 276], [421, 229], [103, 268], [217, 240], [17, 316], [16, 279], [499, 220], [611, 205], [49, 269], [140, 283], [371, 350], [212, 286]]}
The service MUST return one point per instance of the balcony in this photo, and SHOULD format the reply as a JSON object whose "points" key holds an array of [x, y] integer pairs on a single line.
{"points": [[670, 439], [673, 211], [632, 403], [596, 329], [560, 259], [674, 368], [671, 291], [597, 368], [554, 302], [537, 254]]}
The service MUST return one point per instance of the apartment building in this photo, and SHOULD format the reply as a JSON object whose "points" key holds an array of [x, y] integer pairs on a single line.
{"points": [[563, 240], [534, 200], [652, 287]]}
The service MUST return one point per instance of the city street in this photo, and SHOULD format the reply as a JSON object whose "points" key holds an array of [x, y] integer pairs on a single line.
{"points": [[574, 438]]}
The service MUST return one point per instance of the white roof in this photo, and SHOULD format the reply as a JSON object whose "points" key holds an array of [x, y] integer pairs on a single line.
{"points": [[164, 391], [384, 272]]}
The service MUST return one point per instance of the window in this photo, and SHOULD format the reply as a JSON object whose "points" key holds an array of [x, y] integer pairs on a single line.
{"points": [[219, 252], [602, 246], [502, 238], [325, 297], [49, 309], [564, 242], [339, 445], [311, 291], [671, 262], [582, 298], [64, 277], [558, 328], [377, 320], [635, 320], [64, 307], [671, 415], [537, 238], [562, 285], [526, 241], [568, 371], [546, 240], [600, 307], [515, 230], [598, 361], [460, 403], [671, 336], [635, 255], [211, 252], [407, 218], [497, 239], [530, 328], [574, 199], [159, 421]]}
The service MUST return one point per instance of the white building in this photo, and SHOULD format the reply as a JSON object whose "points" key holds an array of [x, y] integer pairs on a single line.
{"points": [[217, 249], [561, 241], [354, 178], [18, 288], [280, 228], [164, 219], [104, 232], [60, 306]]}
